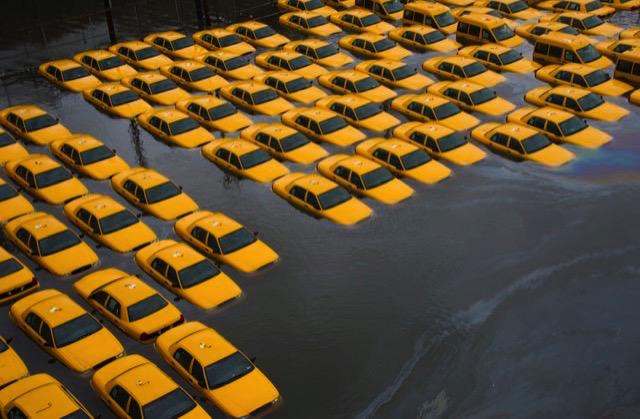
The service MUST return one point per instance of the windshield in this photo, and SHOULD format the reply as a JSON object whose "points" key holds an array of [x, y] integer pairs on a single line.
{"points": [[236, 240], [588, 54], [414, 159], [446, 110], [316, 21], [474, 69], [590, 101], [222, 111], [170, 406], [503, 32], [298, 84], [592, 22], [263, 96], [327, 51], [572, 125], [227, 41], [451, 141], [162, 86], [145, 307], [97, 154], [384, 44], [7, 192], [201, 74], [197, 273], [74, 330], [332, 124], [6, 139], [518, 6], [293, 141], [51, 177], [40, 122], [57, 242], [392, 6], [594, 5], [123, 98], [366, 84], [183, 125], [254, 158], [597, 77], [8, 267], [368, 110], [264, 32], [314, 4], [181, 43], [109, 63], [376, 177], [227, 370], [444, 19], [510, 56], [435, 36], [570, 30], [370, 20], [161, 192], [299, 62], [482, 96], [117, 221], [333, 197], [74, 73], [236, 62], [145, 53], [405, 71], [535, 142]]}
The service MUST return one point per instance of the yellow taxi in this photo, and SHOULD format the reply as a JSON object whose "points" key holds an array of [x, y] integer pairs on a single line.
{"points": [[430, 14], [65, 330], [291, 86], [373, 45], [628, 67], [258, 34], [116, 99], [612, 48], [315, 6], [364, 177], [424, 38], [629, 33], [175, 44], [10, 149], [129, 303], [12, 204], [531, 31], [187, 273], [283, 142], [309, 23], [134, 387], [623, 5], [104, 64], [457, 67], [395, 74], [403, 159], [155, 88], [581, 75], [290, 61], [440, 142], [562, 48], [16, 280], [428, 107], [255, 96], [220, 39], [585, 23], [33, 124], [493, 30], [153, 193], [225, 240], [50, 243], [109, 223], [45, 179], [578, 101], [560, 126], [141, 55], [230, 65], [593, 7], [217, 369], [480, 10], [175, 127], [500, 58], [321, 197], [68, 74], [194, 75], [360, 20], [386, 9], [513, 9], [340, 4], [323, 125], [353, 81], [522, 143], [88, 156], [472, 97], [40, 396], [11, 366], [245, 159], [320, 52], [214, 113], [634, 97], [360, 112]]}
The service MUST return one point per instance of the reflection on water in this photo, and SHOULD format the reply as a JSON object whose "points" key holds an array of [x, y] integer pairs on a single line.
{"points": [[134, 132]]}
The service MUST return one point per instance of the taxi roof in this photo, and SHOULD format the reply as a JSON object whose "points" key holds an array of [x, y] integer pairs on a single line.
{"points": [[100, 205], [249, 85], [581, 69], [549, 24], [351, 100], [38, 163], [632, 54], [580, 1], [284, 76], [496, 48], [207, 346], [458, 59], [390, 64], [149, 77], [427, 7], [112, 88], [26, 111], [217, 32], [133, 45], [422, 29], [284, 54], [561, 37], [462, 85], [366, 36], [64, 64], [572, 92], [433, 129], [355, 12], [303, 13], [575, 15], [482, 19], [313, 43], [188, 65], [179, 255], [39, 395], [41, 224], [170, 35], [277, 130], [207, 101], [82, 142], [250, 24], [129, 290], [553, 114], [57, 309], [98, 54], [146, 177], [315, 183], [146, 382], [217, 223], [429, 99], [169, 115], [221, 54], [629, 41], [396, 146], [358, 164], [481, 10], [238, 146], [317, 114], [516, 131], [352, 75]]}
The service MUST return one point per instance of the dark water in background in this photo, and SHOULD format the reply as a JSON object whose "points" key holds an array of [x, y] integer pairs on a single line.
{"points": [[508, 290]]}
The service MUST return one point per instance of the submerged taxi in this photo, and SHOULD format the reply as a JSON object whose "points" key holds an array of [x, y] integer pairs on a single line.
{"points": [[65, 330], [500, 58], [290, 61], [623, 5], [175, 127], [12, 204], [521, 143], [353, 81], [68, 74], [320, 52], [481, 10], [12, 368], [323, 125], [531, 31], [560, 126], [373, 45], [315, 6], [630, 33], [141, 55], [440, 142], [360, 112], [291, 86], [245, 159], [513, 9], [116, 99], [577, 101], [214, 113], [187, 273], [424, 38], [360, 20], [593, 7], [109, 223], [175, 44], [153, 193], [16, 280], [225, 240], [472, 96], [612, 48], [403, 159], [428, 107], [309, 23], [194, 75], [255, 96], [33, 124], [45, 179], [155, 88], [104, 64], [580, 75], [283, 142], [89, 156], [219, 371], [10, 149], [219, 39], [585, 23], [395, 74], [258, 34], [129, 303], [457, 67], [230, 65], [50, 244]]}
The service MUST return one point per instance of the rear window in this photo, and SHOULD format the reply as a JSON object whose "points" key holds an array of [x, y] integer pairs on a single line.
{"points": [[370, 20], [162, 86], [597, 77], [96, 154], [183, 125], [264, 96], [332, 124], [161, 192], [474, 69], [109, 63], [6, 139], [316, 21], [405, 71], [384, 44], [145, 307], [264, 32], [201, 74], [75, 73], [75, 330], [57, 242], [227, 41], [333, 197], [40, 122], [572, 125], [518, 6], [535, 143], [236, 62], [327, 51], [503, 32], [117, 221], [377, 177], [172, 405], [293, 142], [123, 98], [222, 111], [366, 84], [146, 53], [451, 141], [590, 101], [197, 273], [510, 56], [435, 36], [236, 240], [368, 110], [482, 96], [7, 192], [8, 267], [592, 22], [298, 84], [445, 19], [594, 5], [182, 43], [300, 62], [414, 159], [254, 158], [446, 110], [588, 53], [51, 177]]}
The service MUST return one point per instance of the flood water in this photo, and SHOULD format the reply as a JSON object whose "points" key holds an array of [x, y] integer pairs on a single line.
{"points": [[508, 290]]}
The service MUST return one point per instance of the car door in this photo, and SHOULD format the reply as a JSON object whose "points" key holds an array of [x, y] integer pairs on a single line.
{"points": [[98, 299], [238, 96], [234, 163], [82, 217], [120, 400], [159, 266], [515, 147], [21, 176], [38, 333], [182, 361], [129, 190]]}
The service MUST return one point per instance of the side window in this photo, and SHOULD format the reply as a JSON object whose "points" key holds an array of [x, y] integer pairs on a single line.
{"points": [[504, 8], [172, 276], [45, 333], [516, 146], [100, 297], [137, 83], [159, 265], [129, 186], [453, 94], [212, 243], [234, 160], [164, 127], [537, 122], [199, 234], [487, 35], [23, 235], [198, 373], [356, 180], [428, 112], [338, 81], [270, 81], [114, 307], [31, 180], [183, 357], [358, 43], [337, 107], [572, 104], [343, 172], [83, 215], [553, 128], [463, 27], [21, 171], [51, 70], [555, 99], [564, 75], [66, 149], [120, 396], [482, 55], [313, 201], [500, 138], [313, 126], [494, 59], [134, 409], [408, 14], [16, 413], [303, 121], [431, 144], [570, 56], [415, 107], [458, 71], [33, 321], [223, 153], [33, 246], [349, 113], [541, 48], [75, 156], [263, 138], [474, 31], [395, 161], [140, 195], [465, 98], [579, 80], [298, 192]]}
